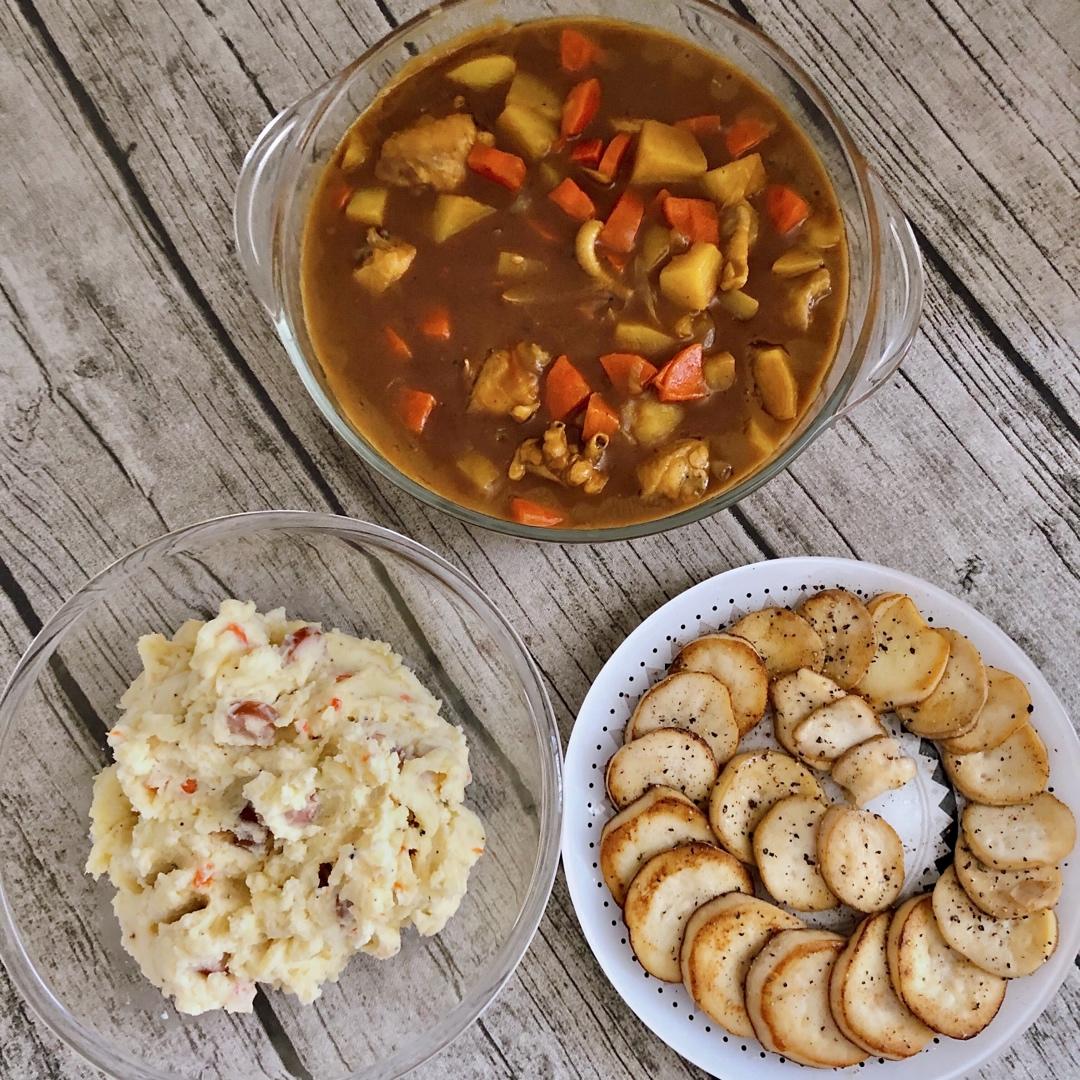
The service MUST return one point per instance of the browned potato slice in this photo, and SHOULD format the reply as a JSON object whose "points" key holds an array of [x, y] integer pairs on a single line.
{"points": [[942, 988], [787, 999], [670, 757], [909, 657], [659, 820], [846, 630], [667, 890], [1041, 832], [785, 850], [954, 706], [1007, 707], [794, 697], [694, 701], [1008, 948], [1006, 894], [750, 784], [736, 663], [864, 1004], [872, 768], [834, 729], [881, 600], [720, 941], [1013, 772], [861, 858], [784, 640]]}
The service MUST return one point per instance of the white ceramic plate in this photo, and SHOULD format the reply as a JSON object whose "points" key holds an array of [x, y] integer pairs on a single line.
{"points": [[642, 659]]}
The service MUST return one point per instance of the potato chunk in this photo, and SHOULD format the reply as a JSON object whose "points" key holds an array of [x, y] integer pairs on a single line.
{"points": [[484, 72], [738, 305], [719, 371], [735, 181], [529, 92], [689, 280], [641, 338], [666, 155], [775, 383], [651, 422], [453, 213], [528, 132], [367, 206]]}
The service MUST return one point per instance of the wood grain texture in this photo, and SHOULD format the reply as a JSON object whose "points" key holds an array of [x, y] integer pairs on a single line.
{"points": [[143, 387]]}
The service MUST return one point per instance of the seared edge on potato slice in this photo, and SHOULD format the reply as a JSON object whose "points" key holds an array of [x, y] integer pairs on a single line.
{"points": [[834, 729], [669, 757], [1015, 771], [1006, 894], [785, 850], [720, 941], [1007, 708], [861, 858], [659, 820], [794, 697], [1008, 948], [694, 701], [940, 986], [666, 891], [783, 639], [846, 629], [737, 664], [749, 784], [872, 768], [864, 1003], [1040, 832], [953, 707], [787, 999], [879, 601]]}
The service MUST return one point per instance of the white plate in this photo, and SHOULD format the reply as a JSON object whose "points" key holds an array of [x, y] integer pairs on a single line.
{"points": [[639, 661]]}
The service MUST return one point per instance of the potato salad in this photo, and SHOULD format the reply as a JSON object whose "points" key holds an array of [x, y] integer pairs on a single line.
{"points": [[282, 797]]}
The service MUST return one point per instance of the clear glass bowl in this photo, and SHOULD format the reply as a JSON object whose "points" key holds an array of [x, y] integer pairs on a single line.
{"points": [[282, 168], [58, 936]]}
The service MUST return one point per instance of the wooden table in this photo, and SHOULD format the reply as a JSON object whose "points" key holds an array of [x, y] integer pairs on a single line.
{"points": [[143, 387]]}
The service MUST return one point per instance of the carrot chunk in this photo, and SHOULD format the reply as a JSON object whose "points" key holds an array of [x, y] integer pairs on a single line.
{"points": [[587, 152], [613, 155], [506, 169], [415, 408], [436, 323], [565, 389], [745, 134], [621, 228], [569, 198], [682, 377], [786, 208], [527, 512], [628, 372], [579, 108], [600, 418], [695, 218], [702, 125], [576, 51], [397, 345]]}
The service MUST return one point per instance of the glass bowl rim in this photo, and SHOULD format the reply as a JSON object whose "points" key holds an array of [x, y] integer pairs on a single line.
{"points": [[860, 173], [37, 991]]}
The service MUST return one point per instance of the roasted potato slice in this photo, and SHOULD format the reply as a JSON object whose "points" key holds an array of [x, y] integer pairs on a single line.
{"points": [[940, 986], [875, 603], [1007, 708], [872, 768], [1006, 894], [785, 850], [694, 701], [953, 707], [909, 656], [864, 1003], [659, 820], [670, 757], [737, 664], [784, 640], [1041, 832], [667, 890], [748, 786], [720, 941], [1008, 948], [787, 999], [860, 857], [833, 729], [794, 697], [1015, 771], [846, 630]]}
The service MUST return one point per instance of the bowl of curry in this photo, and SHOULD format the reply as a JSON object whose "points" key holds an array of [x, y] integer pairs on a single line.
{"points": [[579, 278]]}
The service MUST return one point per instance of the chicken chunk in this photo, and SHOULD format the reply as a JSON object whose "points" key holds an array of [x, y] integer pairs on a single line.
{"points": [[509, 382], [738, 233], [807, 292], [429, 153], [678, 472], [554, 458], [384, 260]]}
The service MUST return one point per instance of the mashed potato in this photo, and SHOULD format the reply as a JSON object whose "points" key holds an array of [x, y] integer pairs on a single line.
{"points": [[282, 797]]}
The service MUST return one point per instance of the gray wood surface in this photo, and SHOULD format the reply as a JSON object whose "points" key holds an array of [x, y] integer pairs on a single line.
{"points": [[141, 386]]}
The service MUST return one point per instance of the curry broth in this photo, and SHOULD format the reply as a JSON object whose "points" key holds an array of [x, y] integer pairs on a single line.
{"points": [[643, 74]]}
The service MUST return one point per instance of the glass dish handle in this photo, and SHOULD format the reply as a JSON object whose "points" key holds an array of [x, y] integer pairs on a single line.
{"points": [[902, 287]]}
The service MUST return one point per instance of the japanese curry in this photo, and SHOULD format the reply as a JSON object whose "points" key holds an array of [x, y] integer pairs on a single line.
{"points": [[575, 274]]}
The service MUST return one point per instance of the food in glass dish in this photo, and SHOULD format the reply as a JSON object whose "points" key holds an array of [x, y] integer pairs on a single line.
{"points": [[575, 274], [282, 797]]}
